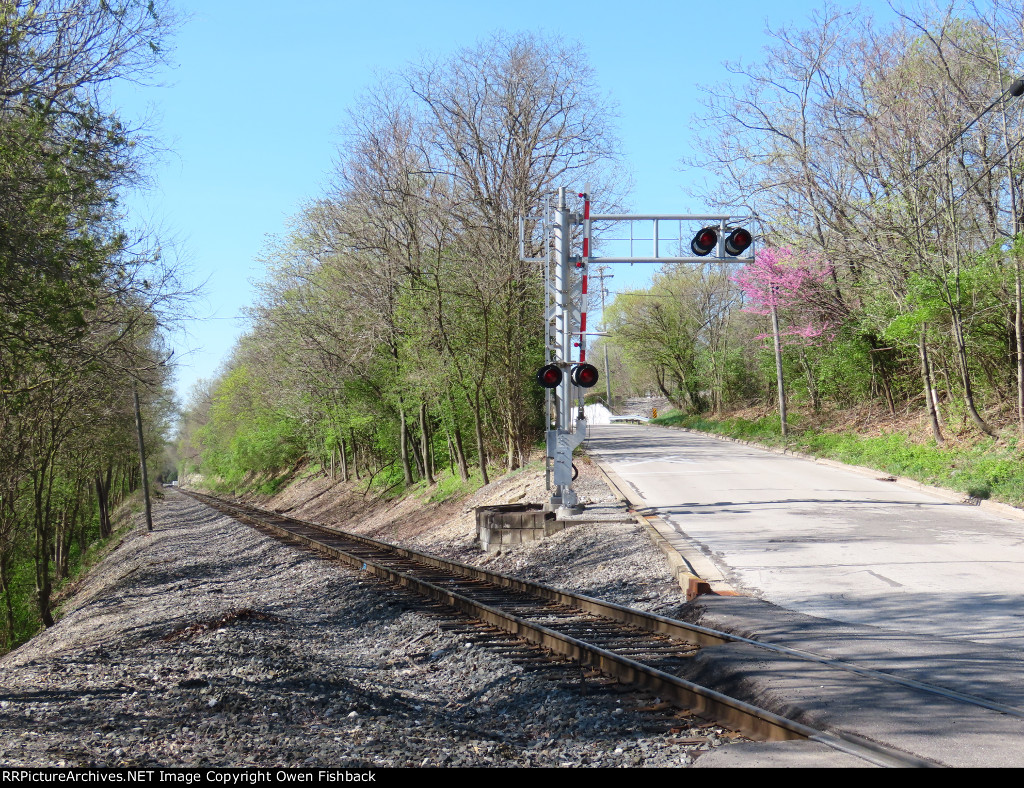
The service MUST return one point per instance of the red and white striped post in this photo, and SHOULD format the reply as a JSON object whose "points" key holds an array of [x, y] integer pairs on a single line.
{"points": [[584, 264]]}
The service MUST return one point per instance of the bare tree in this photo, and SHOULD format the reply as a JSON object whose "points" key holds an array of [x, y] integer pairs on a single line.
{"points": [[507, 122], [836, 137]]}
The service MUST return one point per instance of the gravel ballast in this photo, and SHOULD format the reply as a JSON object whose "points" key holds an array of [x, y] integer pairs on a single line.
{"points": [[207, 643]]}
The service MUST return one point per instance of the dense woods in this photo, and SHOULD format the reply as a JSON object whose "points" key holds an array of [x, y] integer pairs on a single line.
{"points": [[891, 248], [82, 300], [397, 331]]}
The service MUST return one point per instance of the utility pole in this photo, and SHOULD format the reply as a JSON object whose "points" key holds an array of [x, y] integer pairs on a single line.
{"points": [[604, 327], [142, 459], [779, 382]]}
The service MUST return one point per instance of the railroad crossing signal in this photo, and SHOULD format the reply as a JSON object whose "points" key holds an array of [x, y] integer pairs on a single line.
{"points": [[551, 234], [584, 375], [706, 239], [704, 242], [738, 241], [549, 376]]}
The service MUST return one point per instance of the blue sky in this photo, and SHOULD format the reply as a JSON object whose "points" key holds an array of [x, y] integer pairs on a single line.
{"points": [[249, 114]]}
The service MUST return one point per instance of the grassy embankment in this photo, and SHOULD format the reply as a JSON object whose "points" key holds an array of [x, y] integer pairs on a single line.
{"points": [[386, 485], [981, 469]]}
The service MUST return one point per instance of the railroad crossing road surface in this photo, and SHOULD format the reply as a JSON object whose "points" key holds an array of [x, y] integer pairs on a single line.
{"points": [[865, 570]]}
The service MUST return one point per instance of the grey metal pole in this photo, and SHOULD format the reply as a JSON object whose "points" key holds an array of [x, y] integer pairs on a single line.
{"points": [[778, 367], [142, 460], [547, 428], [563, 338], [562, 247], [607, 379], [604, 326]]}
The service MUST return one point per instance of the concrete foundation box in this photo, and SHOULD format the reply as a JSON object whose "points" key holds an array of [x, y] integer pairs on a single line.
{"points": [[503, 525]]}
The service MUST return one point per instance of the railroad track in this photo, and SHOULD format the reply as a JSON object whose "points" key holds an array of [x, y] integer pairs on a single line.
{"points": [[636, 647]]}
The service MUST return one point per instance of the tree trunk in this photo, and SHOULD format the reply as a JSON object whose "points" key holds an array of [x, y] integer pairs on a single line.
{"points": [[103, 504], [480, 450], [44, 587], [403, 446], [512, 442], [425, 440], [883, 379], [142, 463], [812, 386], [5, 589], [965, 373], [460, 452], [344, 460], [418, 459], [62, 543], [926, 378], [456, 434]]}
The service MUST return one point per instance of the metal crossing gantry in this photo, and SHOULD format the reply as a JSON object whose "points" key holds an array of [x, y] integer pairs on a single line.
{"points": [[567, 372], [564, 341]]}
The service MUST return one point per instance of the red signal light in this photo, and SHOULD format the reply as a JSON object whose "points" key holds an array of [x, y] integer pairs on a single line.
{"points": [[584, 375], [704, 241], [549, 376], [738, 241]]}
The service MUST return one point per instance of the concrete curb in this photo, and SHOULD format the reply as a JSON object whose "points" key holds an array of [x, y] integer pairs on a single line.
{"points": [[945, 493], [696, 574], [692, 570]]}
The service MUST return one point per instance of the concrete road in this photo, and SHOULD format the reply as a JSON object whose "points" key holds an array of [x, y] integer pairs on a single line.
{"points": [[825, 541]]}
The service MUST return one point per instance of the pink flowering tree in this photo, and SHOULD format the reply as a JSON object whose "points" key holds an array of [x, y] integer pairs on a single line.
{"points": [[794, 284], [783, 281]]}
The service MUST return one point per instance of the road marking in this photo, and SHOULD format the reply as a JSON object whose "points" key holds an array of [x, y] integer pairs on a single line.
{"points": [[885, 579], [669, 459], [667, 473]]}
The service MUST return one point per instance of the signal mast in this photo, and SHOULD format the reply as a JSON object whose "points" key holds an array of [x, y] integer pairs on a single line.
{"points": [[565, 310]]}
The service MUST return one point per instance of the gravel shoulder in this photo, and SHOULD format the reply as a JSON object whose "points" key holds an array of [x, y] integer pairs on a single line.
{"points": [[207, 643], [607, 555]]}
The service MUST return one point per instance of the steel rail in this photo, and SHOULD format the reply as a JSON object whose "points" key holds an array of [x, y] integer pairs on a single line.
{"points": [[750, 719], [652, 622]]}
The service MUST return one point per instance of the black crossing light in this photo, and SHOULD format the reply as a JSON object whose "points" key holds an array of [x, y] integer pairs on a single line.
{"points": [[704, 241], [738, 241], [549, 376], [584, 375]]}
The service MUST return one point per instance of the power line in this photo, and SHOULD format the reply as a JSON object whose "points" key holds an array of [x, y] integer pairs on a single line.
{"points": [[1015, 89]]}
